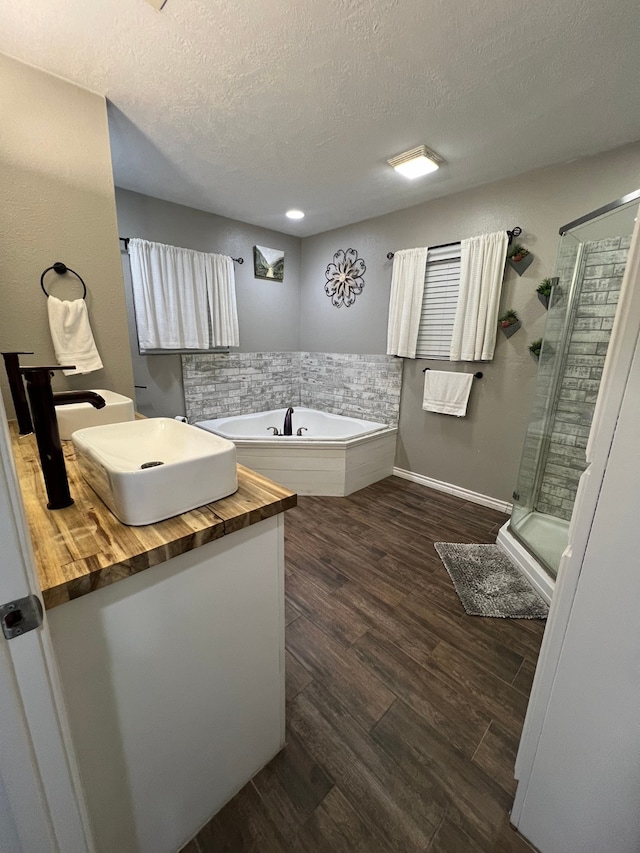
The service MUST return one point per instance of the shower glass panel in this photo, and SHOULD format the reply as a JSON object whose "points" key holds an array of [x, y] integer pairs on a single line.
{"points": [[591, 259]]}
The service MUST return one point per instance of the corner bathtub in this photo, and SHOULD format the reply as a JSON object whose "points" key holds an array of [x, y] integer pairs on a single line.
{"points": [[336, 455]]}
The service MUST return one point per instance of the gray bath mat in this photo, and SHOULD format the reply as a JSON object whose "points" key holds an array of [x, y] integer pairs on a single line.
{"points": [[488, 584]]}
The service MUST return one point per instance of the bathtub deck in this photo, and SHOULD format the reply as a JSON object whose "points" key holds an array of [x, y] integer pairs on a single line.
{"points": [[334, 468], [404, 713]]}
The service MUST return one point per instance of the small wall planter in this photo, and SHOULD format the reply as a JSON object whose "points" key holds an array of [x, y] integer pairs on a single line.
{"points": [[544, 290], [519, 258], [509, 323], [535, 348], [544, 299], [512, 329]]}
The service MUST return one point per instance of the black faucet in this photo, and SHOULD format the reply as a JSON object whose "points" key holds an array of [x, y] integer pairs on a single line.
{"points": [[287, 430], [16, 384], [43, 402]]}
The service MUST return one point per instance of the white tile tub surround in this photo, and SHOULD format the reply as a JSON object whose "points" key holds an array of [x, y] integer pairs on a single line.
{"points": [[321, 465], [363, 386]]}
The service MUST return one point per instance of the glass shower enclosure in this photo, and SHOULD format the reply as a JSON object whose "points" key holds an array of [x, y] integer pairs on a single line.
{"points": [[590, 264]]}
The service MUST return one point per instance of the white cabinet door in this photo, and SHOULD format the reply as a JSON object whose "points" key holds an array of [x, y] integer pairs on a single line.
{"points": [[41, 807]]}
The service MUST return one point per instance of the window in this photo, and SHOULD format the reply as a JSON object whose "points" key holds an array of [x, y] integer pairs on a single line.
{"points": [[439, 300]]}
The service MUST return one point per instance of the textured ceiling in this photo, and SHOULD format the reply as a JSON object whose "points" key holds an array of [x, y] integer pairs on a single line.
{"points": [[247, 108]]}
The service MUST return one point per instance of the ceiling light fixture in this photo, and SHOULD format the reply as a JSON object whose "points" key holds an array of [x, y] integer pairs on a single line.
{"points": [[419, 161], [295, 214]]}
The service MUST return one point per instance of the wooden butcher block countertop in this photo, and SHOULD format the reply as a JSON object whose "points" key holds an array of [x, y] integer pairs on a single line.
{"points": [[85, 547]]}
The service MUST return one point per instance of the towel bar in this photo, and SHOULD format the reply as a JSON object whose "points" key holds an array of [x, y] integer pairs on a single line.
{"points": [[477, 375]]}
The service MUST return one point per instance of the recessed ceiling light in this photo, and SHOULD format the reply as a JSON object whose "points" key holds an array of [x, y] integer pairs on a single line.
{"points": [[295, 214], [419, 161]]}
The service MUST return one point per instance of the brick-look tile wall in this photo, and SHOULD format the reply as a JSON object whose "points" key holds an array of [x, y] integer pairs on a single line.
{"points": [[361, 386], [219, 385], [591, 324]]}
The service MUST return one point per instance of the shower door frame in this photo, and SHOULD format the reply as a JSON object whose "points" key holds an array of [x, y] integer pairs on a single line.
{"points": [[543, 448], [530, 563], [600, 211]]}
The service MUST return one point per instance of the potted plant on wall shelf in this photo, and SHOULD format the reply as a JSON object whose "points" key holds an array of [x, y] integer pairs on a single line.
{"points": [[519, 258], [535, 347], [544, 291], [509, 322]]}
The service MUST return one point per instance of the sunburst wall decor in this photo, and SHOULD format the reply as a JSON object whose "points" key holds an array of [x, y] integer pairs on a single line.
{"points": [[344, 278]]}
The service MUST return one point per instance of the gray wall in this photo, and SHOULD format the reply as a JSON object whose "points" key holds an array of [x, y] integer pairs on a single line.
{"points": [[58, 205], [268, 311], [482, 451]]}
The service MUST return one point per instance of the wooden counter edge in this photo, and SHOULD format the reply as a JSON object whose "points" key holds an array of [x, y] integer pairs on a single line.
{"points": [[257, 499]]}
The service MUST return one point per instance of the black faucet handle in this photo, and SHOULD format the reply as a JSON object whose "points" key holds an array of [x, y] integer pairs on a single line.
{"points": [[31, 368], [31, 372]]}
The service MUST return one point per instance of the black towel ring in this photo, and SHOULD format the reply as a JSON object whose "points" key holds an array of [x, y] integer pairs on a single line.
{"points": [[61, 269]]}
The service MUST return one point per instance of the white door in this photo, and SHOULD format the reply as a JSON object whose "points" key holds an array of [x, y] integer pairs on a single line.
{"points": [[41, 805]]}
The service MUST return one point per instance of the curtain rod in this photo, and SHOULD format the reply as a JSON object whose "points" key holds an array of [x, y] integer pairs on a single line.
{"points": [[126, 240], [516, 232]]}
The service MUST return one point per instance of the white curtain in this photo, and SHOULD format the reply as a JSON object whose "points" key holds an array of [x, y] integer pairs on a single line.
{"points": [[405, 303], [182, 297], [221, 289], [482, 262]]}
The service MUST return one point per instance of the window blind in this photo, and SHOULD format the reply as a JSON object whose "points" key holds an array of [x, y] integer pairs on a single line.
{"points": [[439, 300]]}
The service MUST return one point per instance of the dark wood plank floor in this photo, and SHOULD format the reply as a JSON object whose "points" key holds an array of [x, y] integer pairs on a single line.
{"points": [[403, 713]]}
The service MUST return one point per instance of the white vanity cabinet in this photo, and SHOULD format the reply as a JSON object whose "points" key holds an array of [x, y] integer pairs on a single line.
{"points": [[174, 683]]}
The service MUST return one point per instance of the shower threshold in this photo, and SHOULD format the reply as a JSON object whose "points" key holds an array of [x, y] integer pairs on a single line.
{"points": [[536, 547]]}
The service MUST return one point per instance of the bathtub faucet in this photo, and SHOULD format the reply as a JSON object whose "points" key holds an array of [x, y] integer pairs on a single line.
{"points": [[287, 422]]}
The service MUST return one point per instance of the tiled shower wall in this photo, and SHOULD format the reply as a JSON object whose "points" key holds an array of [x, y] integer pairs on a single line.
{"points": [[220, 385], [604, 264]]}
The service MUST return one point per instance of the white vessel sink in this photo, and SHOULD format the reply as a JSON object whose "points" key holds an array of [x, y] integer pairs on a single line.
{"points": [[120, 463], [81, 415]]}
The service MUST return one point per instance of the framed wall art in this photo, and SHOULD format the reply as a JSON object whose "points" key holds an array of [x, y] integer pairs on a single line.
{"points": [[268, 263]]}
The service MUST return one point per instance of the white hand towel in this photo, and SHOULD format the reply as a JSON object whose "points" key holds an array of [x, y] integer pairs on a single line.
{"points": [[446, 392], [72, 336]]}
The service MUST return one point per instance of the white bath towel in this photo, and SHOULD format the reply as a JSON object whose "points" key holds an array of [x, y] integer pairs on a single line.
{"points": [[446, 392], [72, 336]]}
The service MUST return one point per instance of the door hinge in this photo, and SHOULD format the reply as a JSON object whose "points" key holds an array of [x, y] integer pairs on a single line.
{"points": [[20, 616], [515, 496]]}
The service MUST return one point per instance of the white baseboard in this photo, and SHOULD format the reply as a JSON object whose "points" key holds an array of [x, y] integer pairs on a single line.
{"points": [[458, 491]]}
